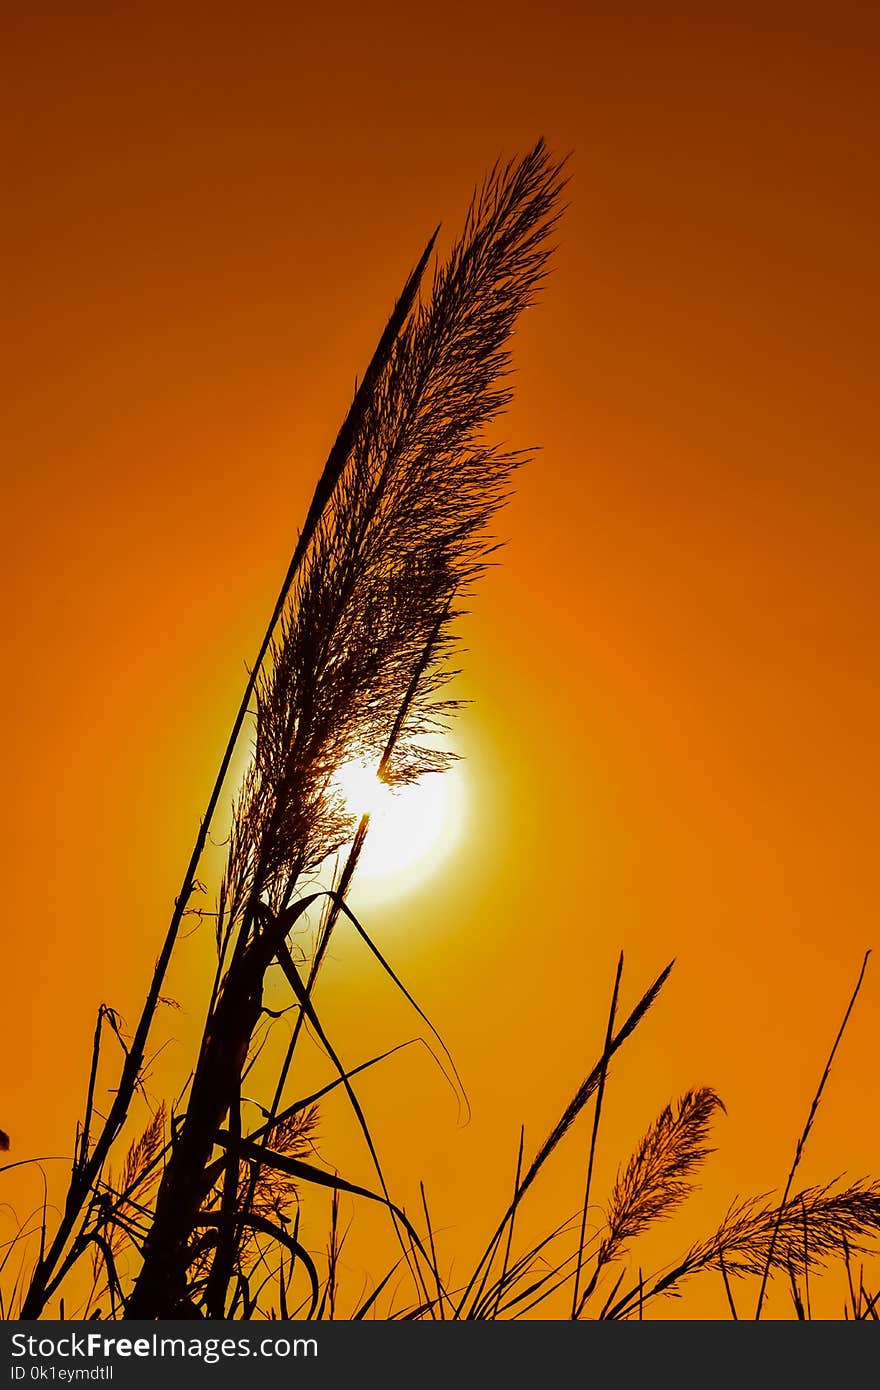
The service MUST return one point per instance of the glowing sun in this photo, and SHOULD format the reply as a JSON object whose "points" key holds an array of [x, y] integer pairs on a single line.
{"points": [[412, 828]]}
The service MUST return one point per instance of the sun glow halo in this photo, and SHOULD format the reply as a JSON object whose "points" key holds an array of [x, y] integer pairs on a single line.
{"points": [[412, 828]]}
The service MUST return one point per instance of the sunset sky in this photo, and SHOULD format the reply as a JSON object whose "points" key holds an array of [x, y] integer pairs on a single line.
{"points": [[673, 743]]}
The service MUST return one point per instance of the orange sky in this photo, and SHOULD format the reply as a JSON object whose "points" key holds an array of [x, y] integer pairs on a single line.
{"points": [[673, 747]]}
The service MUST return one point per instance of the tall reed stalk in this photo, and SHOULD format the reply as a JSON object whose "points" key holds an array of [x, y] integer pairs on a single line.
{"points": [[353, 666]]}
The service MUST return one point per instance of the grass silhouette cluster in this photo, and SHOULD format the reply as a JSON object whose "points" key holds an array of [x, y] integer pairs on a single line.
{"points": [[355, 662]]}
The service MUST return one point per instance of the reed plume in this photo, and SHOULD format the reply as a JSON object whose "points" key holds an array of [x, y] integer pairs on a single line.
{"points": [[358, 666], [659, 1175], [120, 1208], [754, 1233], [657, 1179], [140, 1170], [267, 1194]]}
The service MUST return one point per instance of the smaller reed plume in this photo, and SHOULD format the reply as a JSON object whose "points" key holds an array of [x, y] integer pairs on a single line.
{"points": [[659, 1175]]}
